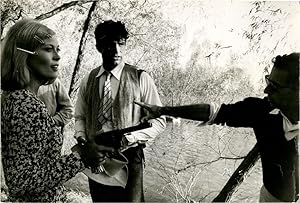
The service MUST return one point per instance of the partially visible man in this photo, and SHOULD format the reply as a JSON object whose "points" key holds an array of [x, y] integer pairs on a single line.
{"points": [[105, 102], [274, 120], [58, 102]]}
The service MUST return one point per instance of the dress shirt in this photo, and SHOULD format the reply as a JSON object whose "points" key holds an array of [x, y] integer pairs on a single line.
{"points": [[290, 130], [149, 95]]}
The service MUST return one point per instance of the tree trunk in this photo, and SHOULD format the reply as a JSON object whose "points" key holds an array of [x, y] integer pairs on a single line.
{"points": [[74, 78], [238, 176]]}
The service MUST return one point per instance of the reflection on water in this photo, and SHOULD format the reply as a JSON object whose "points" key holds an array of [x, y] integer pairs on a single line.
{"points": [[189, 163]]}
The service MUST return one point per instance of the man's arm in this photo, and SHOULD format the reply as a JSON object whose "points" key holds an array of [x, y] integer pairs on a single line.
{"points": [[149, 95], [198, 112], [247, 113], [65, 109], [81, 111]]}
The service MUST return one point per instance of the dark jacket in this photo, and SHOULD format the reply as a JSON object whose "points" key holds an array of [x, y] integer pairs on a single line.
{"points": [[279, 157]]}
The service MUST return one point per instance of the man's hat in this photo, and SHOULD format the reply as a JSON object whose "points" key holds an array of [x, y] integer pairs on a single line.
{"points": [[115, 172]]}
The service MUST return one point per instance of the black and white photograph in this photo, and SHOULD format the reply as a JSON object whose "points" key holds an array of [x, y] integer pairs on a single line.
{"points": [[149, 101]]}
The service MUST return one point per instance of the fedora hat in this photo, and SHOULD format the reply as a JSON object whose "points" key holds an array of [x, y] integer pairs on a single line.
{"points": [[115, 171]]}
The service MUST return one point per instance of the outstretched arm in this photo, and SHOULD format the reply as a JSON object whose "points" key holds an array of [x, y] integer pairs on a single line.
{"points": [[249, 112], [199, 112]]}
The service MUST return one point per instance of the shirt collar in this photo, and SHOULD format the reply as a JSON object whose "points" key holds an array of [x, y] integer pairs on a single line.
{"points": [[116, 72], [287, 125]]}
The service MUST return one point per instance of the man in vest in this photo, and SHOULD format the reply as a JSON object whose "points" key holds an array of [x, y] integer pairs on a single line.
{"points": [[106, 102], [274, 120]]}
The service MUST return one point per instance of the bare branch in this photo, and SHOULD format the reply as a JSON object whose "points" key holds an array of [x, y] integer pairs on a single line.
{"points": [[61, 8], [208, 162]]}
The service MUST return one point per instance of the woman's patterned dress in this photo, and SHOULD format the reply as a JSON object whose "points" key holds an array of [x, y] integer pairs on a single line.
{"points": [[33, 166]]}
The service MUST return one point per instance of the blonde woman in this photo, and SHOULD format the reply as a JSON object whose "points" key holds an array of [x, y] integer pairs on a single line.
{"points": [[31, 143]]}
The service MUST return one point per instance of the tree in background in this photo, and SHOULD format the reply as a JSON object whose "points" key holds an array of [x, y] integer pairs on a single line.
{"points": [[181, 159]]}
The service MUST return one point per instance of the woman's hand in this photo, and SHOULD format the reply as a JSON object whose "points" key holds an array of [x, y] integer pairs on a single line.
{"points": [[153, 111]]}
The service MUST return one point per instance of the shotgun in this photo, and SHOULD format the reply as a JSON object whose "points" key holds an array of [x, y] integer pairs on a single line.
{"points": [[113, 138]]}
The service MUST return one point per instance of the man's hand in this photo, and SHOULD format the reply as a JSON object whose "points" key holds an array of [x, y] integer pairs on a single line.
{"points": [[92, 154], [153, 111]]}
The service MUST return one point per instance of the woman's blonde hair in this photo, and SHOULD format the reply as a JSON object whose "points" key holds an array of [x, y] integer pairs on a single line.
{"points": [[26, 34]]}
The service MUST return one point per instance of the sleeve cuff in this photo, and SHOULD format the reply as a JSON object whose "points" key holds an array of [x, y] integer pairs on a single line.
{"points": [[79, 134], [130, 138], [214, 109]]}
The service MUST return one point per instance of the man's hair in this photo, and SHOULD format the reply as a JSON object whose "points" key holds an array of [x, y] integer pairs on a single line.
{"points": [[289, 63], [110, 31], [26, 34]]}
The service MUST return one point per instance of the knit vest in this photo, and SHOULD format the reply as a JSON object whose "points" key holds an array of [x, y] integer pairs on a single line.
{"points": [[124, 112]]}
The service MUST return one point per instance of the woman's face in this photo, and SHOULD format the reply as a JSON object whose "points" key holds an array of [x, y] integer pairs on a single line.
{"points": [[44, 65]]}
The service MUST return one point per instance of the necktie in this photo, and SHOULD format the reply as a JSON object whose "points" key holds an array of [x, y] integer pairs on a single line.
{"points": [[107, 101]]}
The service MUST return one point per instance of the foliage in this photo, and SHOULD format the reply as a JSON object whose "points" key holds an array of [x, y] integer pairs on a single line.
{"points": [[10, 11], [268, 31], [264, 24], [187, 163]]}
